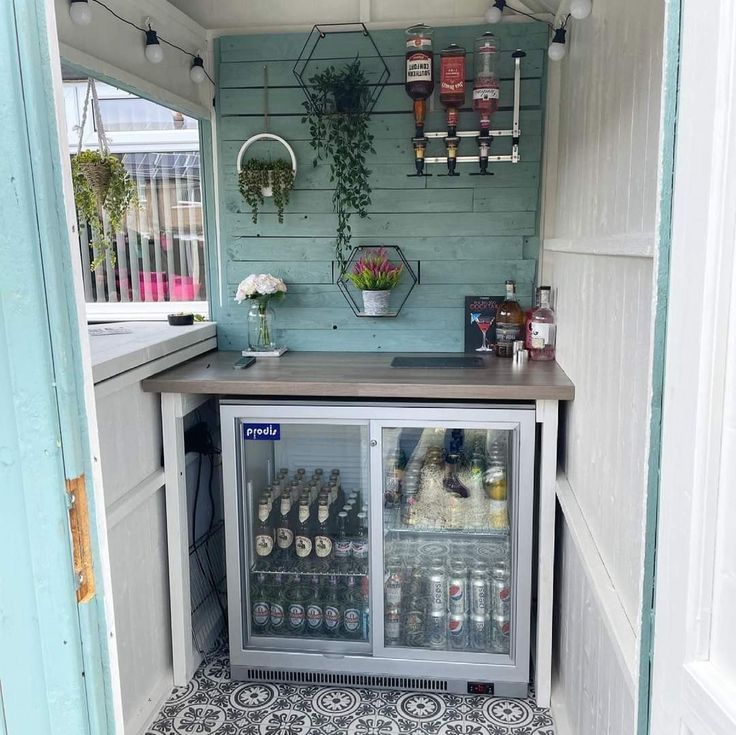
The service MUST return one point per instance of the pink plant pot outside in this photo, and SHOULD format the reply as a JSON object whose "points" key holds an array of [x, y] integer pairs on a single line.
{"points": [[153, 283], [184, 288]]}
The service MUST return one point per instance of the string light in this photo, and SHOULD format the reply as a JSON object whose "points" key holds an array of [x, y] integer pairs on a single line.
{"points": [[197, 73], [495, 11], [154, 52], [557, 49], [579, 9], [81, 14]]}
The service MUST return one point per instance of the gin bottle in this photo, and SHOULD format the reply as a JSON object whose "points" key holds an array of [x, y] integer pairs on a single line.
{"points": [[542, 328]]}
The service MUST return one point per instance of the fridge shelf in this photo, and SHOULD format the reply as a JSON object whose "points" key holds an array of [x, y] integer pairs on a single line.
{"points": [[394, 525], [307, 572]]}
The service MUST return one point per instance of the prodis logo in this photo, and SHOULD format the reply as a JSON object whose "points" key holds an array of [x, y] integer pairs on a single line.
{"points": [[262, 432]]}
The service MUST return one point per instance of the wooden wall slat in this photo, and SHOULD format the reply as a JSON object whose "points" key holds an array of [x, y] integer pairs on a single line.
{"points": [[463, 235]]}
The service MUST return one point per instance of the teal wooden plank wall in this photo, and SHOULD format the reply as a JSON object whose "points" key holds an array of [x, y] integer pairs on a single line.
{"points": [[467, 234]]}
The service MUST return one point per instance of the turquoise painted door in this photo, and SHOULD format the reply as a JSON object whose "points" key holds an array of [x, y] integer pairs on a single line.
{"points": [[54, 673]]}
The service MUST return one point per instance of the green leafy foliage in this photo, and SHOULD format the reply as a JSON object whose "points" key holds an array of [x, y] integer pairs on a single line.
{"points": [[120, 196], [338, 125], [256, 174]]}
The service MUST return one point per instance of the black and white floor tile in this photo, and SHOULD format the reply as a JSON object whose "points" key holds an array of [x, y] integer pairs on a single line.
{"points": [[212, 704]]}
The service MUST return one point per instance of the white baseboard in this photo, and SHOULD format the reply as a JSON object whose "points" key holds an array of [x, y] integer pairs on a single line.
{"points": [[145, 716]]}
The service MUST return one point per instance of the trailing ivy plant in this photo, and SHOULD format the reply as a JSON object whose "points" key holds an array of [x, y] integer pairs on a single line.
{"points": [[338, 117], [257, 174], [102, 185]]}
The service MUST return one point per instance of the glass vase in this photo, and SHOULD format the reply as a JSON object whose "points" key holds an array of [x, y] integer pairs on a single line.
{"points": [[260, 327]]}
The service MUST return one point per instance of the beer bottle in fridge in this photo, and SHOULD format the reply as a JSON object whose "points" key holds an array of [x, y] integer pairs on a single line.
{"points": [[323, 546], [315, 608], [284, 534], [333, 609], [277, 612], [352, 611], [264, 534], [302, 536], [260, 606]]}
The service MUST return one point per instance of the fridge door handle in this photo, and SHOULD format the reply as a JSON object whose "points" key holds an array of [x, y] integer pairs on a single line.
{"points": [[333, 655]]}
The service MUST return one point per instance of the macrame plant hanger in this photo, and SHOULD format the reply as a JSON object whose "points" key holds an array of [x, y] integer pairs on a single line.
{"points": [[97, 173], [265, 135]]}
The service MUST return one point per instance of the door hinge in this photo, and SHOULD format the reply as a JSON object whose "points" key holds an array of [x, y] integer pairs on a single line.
{"points": [[81, 541]]}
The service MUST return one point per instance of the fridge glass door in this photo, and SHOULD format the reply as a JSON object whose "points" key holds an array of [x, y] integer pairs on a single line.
{"points": [[449, 504], [304, 531]]}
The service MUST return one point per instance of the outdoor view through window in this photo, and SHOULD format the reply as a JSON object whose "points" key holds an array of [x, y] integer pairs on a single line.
{"points": [[157, 255]]}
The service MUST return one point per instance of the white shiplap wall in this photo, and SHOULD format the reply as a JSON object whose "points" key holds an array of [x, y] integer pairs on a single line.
{"points": [[598, 254]]}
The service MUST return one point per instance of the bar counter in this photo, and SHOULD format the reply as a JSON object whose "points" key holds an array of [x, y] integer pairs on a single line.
{"points": [[363, 375]]}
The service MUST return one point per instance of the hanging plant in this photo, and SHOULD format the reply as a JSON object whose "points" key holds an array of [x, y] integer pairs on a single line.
{"points": [[338, 120], [258, 177], [102, 186]]}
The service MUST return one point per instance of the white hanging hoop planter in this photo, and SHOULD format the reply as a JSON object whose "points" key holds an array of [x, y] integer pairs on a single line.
{"points": [[266, 190]]}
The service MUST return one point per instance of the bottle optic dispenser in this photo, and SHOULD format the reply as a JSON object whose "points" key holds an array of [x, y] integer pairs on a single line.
{"points": [[485, 92], [452, 96], [419, 84]]}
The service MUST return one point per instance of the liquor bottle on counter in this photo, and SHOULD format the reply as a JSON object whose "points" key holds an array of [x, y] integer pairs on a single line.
{"points": [[509, 322], [542, 328]]}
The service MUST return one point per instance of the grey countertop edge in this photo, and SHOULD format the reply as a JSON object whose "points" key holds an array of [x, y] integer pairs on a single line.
{"points": [[437, 385], [118, 354]]}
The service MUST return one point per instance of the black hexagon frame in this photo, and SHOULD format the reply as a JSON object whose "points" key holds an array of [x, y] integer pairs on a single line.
{"points": [[402, 291]]}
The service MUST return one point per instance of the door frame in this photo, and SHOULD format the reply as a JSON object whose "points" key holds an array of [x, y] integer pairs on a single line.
{"points": [[65, 640], [698, 385]]}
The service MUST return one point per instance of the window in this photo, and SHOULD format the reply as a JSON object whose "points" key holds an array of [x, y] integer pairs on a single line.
{"points": [[160, 254]]}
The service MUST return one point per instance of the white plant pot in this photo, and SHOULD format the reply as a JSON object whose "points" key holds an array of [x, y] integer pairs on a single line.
{"points": [[375, 303], [267, 191]]}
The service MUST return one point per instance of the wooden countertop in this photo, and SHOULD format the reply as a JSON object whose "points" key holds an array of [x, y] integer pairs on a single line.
{"points": [[362, 375]]}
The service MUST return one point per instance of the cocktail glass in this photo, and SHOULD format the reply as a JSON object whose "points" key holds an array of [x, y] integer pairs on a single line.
{"points": [[484, 324]]}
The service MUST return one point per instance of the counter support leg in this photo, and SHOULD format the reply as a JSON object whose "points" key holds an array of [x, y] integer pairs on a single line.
{"points": [[177, 531], [547, 417]]}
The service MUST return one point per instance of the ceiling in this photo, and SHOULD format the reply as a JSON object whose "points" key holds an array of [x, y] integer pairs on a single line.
{"points": [[227, 16]]}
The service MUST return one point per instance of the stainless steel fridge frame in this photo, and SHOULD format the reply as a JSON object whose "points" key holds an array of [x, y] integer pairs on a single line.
{"points": [[373, 663]]}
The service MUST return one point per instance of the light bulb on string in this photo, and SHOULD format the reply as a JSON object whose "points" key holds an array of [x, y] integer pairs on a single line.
{"points": [[494, 14], [80, 12], [154, 52], [557, 49], [580, 9], [197, 73]]}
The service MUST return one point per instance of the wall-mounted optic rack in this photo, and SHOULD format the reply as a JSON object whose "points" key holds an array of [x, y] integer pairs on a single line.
{"points": [[514, 133]]}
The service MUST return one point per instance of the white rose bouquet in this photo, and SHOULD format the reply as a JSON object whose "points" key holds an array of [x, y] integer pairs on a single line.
{"points": [[262, 288]]}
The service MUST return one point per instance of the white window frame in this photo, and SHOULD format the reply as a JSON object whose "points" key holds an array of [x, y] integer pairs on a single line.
{"points": [[132, 141]]}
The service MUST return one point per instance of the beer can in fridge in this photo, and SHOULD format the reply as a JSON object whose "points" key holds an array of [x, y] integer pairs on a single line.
{"points": [[437, 630], [392, 626], [457, 589], [500, 634], [437, 588], [479, 602], [479, 630], [414, 627], [457, 631], [500, 591]]}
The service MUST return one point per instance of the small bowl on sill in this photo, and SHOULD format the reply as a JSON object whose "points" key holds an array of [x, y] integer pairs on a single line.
{"points": [[181, 320]]}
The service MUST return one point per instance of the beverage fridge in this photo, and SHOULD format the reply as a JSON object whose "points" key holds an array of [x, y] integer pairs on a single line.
{"points": [[384, 545]]}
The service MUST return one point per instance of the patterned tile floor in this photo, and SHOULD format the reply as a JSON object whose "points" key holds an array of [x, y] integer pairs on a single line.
{"points": [[212, 704]]}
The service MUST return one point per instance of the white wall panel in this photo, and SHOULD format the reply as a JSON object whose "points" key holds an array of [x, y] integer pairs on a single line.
{"points": [[589, 695], [598, 254], [604, 307]]}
